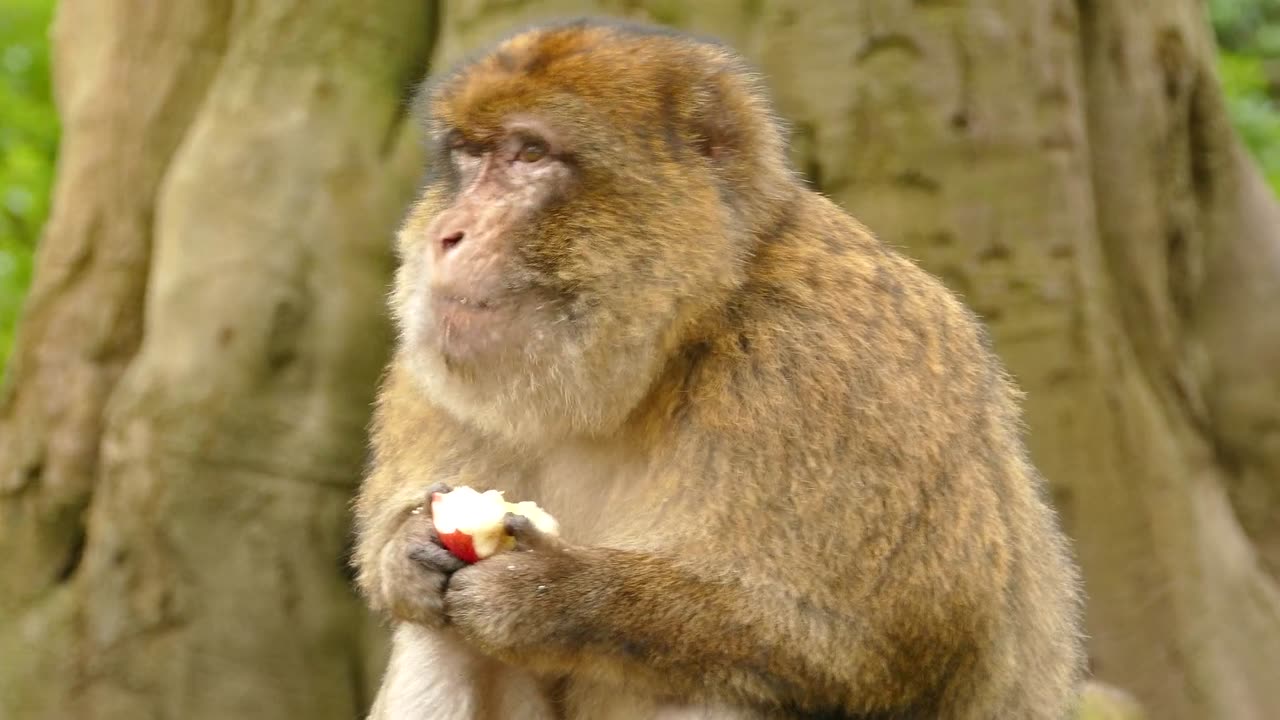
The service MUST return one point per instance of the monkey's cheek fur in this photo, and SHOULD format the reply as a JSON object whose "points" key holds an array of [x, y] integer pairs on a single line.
{"points": [[471, 524]]}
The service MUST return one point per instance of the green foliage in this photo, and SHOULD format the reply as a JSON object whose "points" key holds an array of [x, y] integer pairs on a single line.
{"points": [[1249, 65], [1254, 111], [28, 144], [1247, 25]]}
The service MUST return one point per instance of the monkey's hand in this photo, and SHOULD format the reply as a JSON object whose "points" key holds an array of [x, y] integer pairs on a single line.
{"points": [[494, 602], [414, 569]]}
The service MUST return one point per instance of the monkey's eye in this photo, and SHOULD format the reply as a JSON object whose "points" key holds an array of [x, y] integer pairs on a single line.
{"points": [[532, 151]]}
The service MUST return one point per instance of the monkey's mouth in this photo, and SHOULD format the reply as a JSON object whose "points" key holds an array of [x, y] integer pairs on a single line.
{"points": [[474, 330]]}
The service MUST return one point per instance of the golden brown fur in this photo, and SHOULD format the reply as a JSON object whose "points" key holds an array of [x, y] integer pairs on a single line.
{"points": [[787, 465]]}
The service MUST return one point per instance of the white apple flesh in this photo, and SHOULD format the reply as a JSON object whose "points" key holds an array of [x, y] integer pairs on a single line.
{"points": [[470, 523]]}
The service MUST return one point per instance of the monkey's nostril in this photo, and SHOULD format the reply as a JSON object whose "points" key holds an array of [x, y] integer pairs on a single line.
{"points": [[448, 241]]}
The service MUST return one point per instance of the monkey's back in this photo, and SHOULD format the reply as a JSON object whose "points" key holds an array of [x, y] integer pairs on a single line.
{"points": [[863, 373]]}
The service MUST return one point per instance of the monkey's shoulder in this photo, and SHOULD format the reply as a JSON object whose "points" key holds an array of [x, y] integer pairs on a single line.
{"points": [[825, 294], [838, 340]]}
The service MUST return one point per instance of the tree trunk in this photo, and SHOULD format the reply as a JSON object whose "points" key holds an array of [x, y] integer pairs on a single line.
{"points": [[184, 416], [1068, 167]]}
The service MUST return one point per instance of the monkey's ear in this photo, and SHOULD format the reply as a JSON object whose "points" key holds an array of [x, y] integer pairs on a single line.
{"points": [[732, 124], [717, 129]]}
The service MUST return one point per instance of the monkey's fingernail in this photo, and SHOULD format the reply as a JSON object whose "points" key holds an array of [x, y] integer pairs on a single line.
{"points": [[511, 567], [416, 511]]}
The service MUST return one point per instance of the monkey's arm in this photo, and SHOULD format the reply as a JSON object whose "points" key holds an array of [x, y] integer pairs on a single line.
{"points": [[415, 447], [383, 506], [644, 621]]}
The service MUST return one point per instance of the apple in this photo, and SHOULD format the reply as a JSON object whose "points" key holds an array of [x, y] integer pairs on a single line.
{"points": [[470, 523]]}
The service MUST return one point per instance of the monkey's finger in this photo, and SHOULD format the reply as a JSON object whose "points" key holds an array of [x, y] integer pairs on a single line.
{"points": [[528, 536], [439, 487], [434, 557]]}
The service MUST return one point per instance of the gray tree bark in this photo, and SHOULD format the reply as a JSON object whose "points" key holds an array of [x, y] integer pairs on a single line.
{"points": [[183, 424]]}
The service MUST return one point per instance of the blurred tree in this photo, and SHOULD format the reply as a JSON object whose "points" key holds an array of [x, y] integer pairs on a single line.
{"points": [[184, 422], [172, 492]]}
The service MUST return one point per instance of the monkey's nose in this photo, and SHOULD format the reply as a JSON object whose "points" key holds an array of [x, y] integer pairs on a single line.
{"points": [[448, 242]]}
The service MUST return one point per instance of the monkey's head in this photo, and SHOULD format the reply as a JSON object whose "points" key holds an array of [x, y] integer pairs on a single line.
{"points": [[596, 192]]}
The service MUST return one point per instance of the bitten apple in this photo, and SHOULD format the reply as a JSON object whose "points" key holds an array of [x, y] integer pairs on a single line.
{"points": [[470, 523]]}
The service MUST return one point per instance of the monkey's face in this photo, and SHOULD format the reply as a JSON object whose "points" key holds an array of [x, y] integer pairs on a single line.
{"points": [[476, 304], [574, 229], [536, 296]]}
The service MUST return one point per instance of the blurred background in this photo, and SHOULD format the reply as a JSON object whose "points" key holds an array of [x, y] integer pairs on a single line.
{"points": [[196, 205]]}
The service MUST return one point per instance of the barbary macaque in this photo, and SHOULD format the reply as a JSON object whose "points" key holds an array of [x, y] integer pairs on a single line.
{"points": [[786, 466]]}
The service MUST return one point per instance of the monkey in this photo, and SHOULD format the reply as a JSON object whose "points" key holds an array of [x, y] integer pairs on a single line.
{"points": [[788, 467]]}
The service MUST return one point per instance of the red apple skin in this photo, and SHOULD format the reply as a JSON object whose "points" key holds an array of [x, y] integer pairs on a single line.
{"points": [[460, 545]]}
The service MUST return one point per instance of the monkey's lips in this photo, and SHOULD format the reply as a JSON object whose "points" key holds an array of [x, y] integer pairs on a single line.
{"points": [[471, 329]]}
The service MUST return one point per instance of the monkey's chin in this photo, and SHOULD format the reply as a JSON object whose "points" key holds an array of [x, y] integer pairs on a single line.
{"points": [[473, 335], [525, 373]]}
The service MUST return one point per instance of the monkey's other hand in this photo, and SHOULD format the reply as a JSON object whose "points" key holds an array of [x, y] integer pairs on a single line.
{"points": [[509, 605], [415, 568]]}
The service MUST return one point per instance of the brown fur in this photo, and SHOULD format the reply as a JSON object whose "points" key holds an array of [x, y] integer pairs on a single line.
{"points": [[787, 465]]}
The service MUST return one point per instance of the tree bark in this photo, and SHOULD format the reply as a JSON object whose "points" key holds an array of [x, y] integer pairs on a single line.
{"points": [[184, 418]]}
